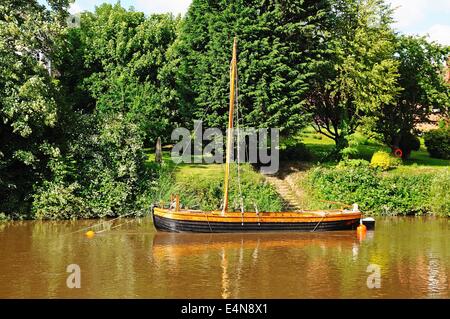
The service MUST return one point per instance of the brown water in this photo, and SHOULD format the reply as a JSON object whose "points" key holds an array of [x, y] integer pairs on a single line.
{"points": [[133, 261]]}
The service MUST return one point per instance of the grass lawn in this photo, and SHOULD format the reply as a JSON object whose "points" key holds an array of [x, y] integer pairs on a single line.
{"points": [[420, 161], [186, 171], [319, 145]]}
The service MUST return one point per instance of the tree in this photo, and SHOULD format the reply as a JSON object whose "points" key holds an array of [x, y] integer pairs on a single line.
{"points": [[63, 156], [101, 173], [119, 56], [424, 91], [29, 108], [275, 39], [110, 73], [354, 71]]}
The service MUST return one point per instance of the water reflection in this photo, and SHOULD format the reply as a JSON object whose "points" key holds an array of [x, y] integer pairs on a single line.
{"points": [[135, 262]]}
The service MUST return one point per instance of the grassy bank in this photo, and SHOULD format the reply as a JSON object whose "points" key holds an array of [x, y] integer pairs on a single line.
{"points": [[200, 186], [417, 186], [381, 193]]}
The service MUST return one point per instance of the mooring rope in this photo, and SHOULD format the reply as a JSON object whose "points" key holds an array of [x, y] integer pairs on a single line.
{"points": [[207, 219], [100, 223], [323, 217]]}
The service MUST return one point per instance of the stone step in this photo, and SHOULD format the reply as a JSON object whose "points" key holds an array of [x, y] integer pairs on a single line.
{"points": [[285, 187]]}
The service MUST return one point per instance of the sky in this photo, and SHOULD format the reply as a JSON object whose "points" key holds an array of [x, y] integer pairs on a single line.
{"points": [[422, 17]]}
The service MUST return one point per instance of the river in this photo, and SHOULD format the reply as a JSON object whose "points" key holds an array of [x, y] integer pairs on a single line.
{"points": [[403, 258]]}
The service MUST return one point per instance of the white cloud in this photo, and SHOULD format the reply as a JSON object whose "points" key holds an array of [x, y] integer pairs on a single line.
{"points": [[423, 17], [439, 33], [408, 12]]}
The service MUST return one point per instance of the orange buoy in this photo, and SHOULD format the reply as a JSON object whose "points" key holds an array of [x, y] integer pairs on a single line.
{"points": [[361, 229], [361, 236], [90, 234]]}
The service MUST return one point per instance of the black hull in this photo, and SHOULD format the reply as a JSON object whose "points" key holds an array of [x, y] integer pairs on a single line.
{"points": [[172, 225]]}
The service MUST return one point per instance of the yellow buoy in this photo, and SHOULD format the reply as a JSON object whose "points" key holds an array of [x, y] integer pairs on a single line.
{"points": [[90, 234]]}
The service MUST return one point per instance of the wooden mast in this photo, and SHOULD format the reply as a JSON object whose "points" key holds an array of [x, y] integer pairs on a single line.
{"points": [[233, 71]]}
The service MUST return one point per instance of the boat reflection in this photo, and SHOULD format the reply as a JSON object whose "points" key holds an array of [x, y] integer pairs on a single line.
{"points": [[174, 245], [240, 255]]}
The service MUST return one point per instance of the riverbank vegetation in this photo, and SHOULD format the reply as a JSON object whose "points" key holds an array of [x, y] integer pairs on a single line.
{"points": [[379, 182], [201, 187], [81, 103], [381, 193]]}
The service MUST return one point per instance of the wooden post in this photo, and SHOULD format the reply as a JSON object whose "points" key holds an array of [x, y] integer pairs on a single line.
{"points": [[233, 71], [177, 203], [158, 151]]}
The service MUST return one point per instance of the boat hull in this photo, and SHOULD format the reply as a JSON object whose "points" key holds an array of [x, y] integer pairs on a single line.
{"points": [[212, 222]]}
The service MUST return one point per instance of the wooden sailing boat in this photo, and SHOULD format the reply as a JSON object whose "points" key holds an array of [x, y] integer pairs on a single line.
{"points": [[174, 219]]}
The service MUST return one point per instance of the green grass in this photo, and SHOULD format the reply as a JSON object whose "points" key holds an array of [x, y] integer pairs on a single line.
{"points": [[419, 160], [188, 172], [200, 186]]}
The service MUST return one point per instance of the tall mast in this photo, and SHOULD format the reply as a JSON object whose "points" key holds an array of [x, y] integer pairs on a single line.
{"points": [[233, 71]]}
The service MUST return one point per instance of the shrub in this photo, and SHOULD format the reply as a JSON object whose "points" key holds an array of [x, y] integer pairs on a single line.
{"points": [[372, 190], [353, 163], [439, 197], [384, 160], [55, 201], [101, 174], [438, 143]]}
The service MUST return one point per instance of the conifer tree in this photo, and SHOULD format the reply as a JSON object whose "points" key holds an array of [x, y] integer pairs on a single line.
{"points": [[275, 41]]}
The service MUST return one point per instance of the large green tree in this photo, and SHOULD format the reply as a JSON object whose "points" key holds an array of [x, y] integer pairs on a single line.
{"points": [[424, 92], [109, 72], [354, 71], [65, 153], [29, 96], [275, 40], [113, 64]]}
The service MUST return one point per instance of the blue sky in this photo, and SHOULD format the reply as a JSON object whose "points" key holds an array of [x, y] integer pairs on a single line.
{"points": [[422, 17]]}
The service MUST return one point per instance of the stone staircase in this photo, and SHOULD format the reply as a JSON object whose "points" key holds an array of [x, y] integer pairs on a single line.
{"points": [[286, 182]]}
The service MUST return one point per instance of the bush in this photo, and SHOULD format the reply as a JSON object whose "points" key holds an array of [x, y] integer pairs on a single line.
{"points": [[101, 174], [384, 160], [353, 163], [55, 201], [438, 143], [372, 190], [439, 197]]}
